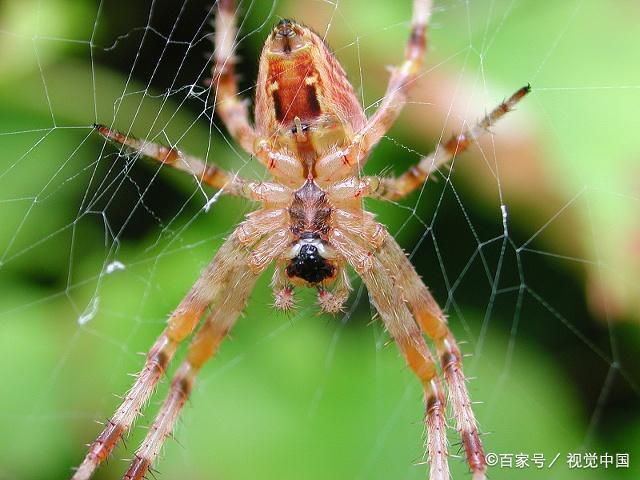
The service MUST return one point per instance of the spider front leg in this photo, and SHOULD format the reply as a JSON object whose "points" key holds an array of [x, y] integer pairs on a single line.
{"points": [[219, 275], [229, 106], [205, 344], [209, 174], [369, 253], [399, 187], [433, 322]]}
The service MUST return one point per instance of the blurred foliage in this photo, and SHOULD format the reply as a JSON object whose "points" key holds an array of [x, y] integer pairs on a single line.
{"points": [[307, 396]]}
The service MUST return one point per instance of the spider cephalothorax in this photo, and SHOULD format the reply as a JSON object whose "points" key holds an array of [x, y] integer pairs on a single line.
{"points": [[313, 138], [311, 255]]}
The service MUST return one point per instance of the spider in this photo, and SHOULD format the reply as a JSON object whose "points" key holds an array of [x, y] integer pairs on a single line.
{"points": [[312, 135]]}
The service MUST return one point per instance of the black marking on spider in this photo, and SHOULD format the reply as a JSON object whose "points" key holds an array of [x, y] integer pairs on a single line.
{"points": [[310, 266]]}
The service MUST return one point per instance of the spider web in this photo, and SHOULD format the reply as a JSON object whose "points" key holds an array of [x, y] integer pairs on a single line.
{"points": [[530, 242]]}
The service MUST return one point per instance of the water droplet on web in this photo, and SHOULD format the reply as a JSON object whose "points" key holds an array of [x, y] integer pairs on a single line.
{"points": [[90, 312], [114, 267]]}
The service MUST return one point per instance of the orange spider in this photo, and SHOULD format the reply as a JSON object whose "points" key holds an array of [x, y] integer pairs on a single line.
{"points": [[313, 137]]}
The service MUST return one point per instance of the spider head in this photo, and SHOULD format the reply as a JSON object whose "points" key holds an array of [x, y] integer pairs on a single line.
{"points": [[310, 260], [287, 37]]}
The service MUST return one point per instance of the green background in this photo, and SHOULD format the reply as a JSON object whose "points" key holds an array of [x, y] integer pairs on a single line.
{"points": [[307, 396]]}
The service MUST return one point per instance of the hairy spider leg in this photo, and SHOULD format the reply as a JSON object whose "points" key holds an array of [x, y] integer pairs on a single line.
{"points": [[433, 323], [341, 163], [210, 174], [396, 188], [232, 110], [372, 252], [216, 277], [205, 344], [386, 297]]}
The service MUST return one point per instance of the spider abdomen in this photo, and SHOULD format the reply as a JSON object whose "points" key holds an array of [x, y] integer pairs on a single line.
{"points": [[310, 217], [304, 102]]}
